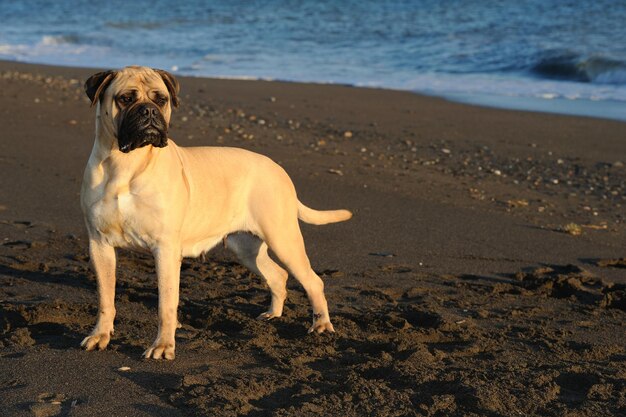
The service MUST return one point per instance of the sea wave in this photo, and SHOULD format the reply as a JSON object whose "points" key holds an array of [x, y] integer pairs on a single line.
{"points": [[133, 24], [59, 40], [54, 49], [575, 67]]}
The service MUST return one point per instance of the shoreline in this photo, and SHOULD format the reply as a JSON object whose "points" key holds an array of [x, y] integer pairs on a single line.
{"points": [[604, 109], [482, 272]]}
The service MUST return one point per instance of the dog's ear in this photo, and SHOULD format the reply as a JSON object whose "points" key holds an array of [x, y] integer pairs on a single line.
{"points": [[97, 84], [172, 85]]}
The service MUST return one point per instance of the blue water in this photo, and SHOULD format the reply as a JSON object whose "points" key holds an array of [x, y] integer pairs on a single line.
{"points": [[550, 55]]}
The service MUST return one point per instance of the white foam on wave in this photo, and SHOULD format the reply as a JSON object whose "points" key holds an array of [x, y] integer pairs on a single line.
{"points": [[49, 48], [65, 50], [58, 40], [512, 86]]}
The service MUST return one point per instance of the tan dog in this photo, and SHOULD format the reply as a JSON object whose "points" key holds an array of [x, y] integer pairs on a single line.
{"points": [[142, 191]]}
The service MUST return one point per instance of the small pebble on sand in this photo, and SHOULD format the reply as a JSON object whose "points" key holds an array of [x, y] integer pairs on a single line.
{"points": [[572, 229]]}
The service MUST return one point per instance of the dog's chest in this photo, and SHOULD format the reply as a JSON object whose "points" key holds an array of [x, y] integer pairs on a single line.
{"points": [[123, 219]]}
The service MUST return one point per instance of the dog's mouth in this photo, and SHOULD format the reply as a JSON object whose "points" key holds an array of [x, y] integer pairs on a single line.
{"points": [[146, 137], [138, 130]]}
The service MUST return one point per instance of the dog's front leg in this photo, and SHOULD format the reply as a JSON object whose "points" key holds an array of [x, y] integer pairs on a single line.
{"points": [[103, 260], [168, 260]]}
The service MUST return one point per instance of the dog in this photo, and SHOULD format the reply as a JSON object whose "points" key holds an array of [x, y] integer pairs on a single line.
{"points": [[142, 191]]}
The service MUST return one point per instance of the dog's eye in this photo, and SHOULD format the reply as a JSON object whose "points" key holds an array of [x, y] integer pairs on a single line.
{"points": [[161, 100], [126, 99]]}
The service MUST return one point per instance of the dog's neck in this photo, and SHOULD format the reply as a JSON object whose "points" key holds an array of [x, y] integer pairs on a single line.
{"points": [[113, 169], [105, 141], [106, 154]]}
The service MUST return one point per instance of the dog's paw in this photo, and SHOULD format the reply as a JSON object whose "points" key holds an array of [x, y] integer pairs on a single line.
{"points": [[267, 316], [98, 340], [160, 350], [320, 326]]}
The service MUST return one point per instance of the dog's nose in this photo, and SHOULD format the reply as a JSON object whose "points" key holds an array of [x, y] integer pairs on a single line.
{"points": [[149, 111]]}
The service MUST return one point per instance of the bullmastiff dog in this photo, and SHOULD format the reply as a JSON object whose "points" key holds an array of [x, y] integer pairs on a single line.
{"points": [[142, 191]]}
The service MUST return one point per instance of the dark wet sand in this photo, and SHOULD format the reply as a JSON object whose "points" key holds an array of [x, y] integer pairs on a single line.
{"points": [[480, 275]]}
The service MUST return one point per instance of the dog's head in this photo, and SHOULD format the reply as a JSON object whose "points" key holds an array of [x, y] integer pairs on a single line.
{"points": [[134, 104]]}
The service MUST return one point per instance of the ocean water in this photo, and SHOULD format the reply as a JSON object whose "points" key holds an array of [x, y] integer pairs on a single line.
{"points": [[566, 56]]}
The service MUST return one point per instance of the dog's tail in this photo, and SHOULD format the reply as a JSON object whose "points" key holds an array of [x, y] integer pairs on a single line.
{"points": [[318, 217]]}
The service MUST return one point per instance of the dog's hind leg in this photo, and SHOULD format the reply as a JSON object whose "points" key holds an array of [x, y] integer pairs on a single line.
{"points": [[252, 253], [103, 260], [285, 239]]}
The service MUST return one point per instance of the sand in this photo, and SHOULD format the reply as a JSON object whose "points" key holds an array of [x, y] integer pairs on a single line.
{"points": [[483, 273]]}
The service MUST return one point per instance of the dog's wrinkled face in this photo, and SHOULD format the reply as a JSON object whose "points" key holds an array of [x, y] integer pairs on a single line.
{"points": [[135, 105]]}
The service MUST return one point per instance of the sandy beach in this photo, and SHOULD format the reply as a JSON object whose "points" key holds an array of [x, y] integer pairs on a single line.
{"points": [[483, 273]]}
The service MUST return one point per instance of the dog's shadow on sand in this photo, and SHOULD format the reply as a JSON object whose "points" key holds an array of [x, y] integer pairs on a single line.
{"points": [[55, 319], [33, 319], [37, 274], [67, 312]]}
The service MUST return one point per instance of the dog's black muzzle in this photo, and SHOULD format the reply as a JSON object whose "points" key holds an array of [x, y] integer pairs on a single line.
{"points": [[142, 125]]}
